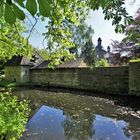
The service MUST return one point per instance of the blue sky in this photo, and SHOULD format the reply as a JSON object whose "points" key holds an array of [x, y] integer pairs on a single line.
{"points": [[102, 28]]}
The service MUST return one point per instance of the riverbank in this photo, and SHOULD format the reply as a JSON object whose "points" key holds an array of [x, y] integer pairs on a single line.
{"points": [[118, 99], [131, 103]]}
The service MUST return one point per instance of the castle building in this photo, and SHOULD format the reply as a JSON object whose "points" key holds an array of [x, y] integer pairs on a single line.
{"points": [[17, 69], [99, 49]]}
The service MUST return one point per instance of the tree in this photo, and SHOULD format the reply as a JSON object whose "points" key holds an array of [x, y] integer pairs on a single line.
{"points": [[129, 47], [61, 29], [43, 53], [62, 15], [87, 47], [12, 9], [132, 31], [11, 41]]}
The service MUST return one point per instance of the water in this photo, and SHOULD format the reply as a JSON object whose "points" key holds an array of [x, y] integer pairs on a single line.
{"points": [[64, 116]]}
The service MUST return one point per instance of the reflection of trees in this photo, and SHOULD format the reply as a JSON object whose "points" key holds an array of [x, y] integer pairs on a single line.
{"points": [[126, 132], [79, 111], [78, 124]]}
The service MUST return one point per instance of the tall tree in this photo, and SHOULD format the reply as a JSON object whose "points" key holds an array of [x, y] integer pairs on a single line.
{"points": [[87, 46]]}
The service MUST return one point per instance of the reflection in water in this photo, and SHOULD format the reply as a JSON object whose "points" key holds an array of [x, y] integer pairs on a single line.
{"points": [[51, 124], [109, 129], [46, 124], [78, 124], [62, 116]]}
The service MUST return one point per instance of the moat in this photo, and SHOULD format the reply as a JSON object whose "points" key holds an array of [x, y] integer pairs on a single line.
{"points": [[64, 116]]}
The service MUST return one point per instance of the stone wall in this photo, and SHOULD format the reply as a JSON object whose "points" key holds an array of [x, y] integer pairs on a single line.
{"points": [[59, 77], [112, 80], [134, 78], [25, 74], [13, 73], [107, 80], [19, 74]]}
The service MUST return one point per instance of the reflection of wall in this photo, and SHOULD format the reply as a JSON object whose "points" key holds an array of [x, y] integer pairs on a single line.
{"points": [[17, 73], [107, 80]]}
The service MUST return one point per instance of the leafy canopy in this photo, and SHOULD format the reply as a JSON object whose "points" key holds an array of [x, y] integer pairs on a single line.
{"points": [[62, 15], [12, 9], [11, 40], [132, 31]]}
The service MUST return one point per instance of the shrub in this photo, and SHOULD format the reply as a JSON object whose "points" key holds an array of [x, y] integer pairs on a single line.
{"points": [[102, 63], [135, 60], [13, 116]]}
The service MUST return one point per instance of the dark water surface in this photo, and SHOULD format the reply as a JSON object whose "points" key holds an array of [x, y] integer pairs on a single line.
{"points": [[65, 116]]}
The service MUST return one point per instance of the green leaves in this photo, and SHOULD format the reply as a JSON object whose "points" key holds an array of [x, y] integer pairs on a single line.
{"points": [[20, 2], [44, 7], [19, 13], [11, 40], [9, 14], [13, 116], [31, 6], [1, 10]]}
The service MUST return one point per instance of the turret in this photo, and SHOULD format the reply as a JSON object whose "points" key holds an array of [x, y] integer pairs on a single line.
{"points": [[108, 49], [99, 41]]}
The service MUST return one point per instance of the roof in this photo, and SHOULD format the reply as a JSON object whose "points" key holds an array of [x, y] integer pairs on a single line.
{"points": [[37, 55], [18, 61], [74, 63], [43, 65]]}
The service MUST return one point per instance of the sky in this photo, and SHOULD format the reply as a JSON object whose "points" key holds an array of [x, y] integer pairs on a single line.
{"points": [[102, 28]]}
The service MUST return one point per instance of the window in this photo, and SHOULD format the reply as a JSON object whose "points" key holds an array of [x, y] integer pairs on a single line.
{"points": [[26, 72]]}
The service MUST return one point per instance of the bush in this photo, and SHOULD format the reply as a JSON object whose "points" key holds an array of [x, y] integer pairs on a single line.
{"points": [[102, 63], [135, 60], [13, 116]]}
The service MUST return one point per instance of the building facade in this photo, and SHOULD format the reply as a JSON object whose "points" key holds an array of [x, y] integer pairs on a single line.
{"points": [[17, 69]]}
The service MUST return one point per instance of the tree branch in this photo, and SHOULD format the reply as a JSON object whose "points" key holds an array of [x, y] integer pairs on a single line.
{"points": [[32, 28]]}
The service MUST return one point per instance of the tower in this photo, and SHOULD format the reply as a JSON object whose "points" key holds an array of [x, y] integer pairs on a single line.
{"points": [[99, 49]]}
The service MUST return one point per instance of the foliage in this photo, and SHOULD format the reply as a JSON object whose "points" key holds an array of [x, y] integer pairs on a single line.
{"points": [[43, 53], [62, 16], [87, 47], [102, 63], [82, 34], [82, 38], [132, 31], [13, 116], [135, 60], [11, 40], [129, 47], [61, 26], [7, 84], [12, 9]]}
